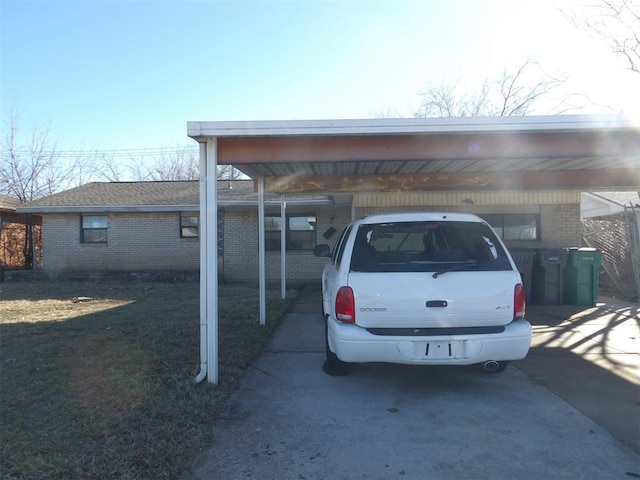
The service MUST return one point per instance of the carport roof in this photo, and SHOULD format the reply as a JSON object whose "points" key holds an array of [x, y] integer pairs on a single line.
{"points": [[583, 152]]}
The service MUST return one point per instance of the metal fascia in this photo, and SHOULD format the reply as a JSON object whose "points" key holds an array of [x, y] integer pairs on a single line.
{"points": [[545, 123]]}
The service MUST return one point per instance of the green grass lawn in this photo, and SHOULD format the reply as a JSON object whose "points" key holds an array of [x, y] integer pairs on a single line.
{"points": [[103, 388]]}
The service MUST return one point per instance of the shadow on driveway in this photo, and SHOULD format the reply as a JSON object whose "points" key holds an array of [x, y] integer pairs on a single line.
{"points": [[590, 357]]}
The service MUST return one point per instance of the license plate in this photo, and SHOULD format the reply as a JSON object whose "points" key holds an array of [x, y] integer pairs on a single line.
{"points": [[440, 350]]}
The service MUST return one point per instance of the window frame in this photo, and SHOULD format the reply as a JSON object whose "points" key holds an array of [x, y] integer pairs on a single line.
{"points": [[84, 230], [183, 227], [500, 229]]}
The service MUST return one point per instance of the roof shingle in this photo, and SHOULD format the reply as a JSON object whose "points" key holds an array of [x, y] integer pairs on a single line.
{"points": [[148, 194], [8, 203]]}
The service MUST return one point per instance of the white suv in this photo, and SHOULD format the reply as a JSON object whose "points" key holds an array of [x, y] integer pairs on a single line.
{"points": [[422, 288]]}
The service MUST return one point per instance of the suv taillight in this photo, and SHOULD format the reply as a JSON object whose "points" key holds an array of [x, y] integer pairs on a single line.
{"points": [[518, 302], [345, 305]]}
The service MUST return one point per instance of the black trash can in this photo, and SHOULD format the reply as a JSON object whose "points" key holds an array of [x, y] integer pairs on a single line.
{"points": [[581, 276], [548, 272], [523, 257]]}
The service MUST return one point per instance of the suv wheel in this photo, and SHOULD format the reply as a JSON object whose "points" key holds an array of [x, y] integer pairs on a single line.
{"points": [[332, 365]]}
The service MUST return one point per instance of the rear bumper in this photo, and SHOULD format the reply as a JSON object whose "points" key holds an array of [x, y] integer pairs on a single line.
{"points": [[354, 344]]}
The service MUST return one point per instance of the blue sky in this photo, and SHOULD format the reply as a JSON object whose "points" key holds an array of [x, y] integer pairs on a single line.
{"points": [[130, 74]]}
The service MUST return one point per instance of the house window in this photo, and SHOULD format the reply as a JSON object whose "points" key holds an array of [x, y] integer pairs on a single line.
{"points": [[93, 229], [188, 226], [515, 226], [300, 232]]}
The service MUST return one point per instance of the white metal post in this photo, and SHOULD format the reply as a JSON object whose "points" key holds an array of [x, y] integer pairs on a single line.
{"points": [[261, 253], [212, 260], [283, 247]]}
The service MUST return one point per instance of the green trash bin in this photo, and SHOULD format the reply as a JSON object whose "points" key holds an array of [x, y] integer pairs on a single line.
{"points": [[581, 276]]}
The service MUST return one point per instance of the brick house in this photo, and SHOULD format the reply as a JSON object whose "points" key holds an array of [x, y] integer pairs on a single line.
{"points": [[148, 227], [523, 175]]}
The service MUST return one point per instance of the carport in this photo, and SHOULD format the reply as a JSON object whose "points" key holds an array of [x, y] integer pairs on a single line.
{"points": [[582, 153]]}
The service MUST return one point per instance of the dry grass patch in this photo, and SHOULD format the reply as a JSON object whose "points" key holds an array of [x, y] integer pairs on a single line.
{"points": [[102, 387]]}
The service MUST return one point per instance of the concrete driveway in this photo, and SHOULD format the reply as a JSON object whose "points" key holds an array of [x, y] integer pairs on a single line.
{"points": [[544, 417]]}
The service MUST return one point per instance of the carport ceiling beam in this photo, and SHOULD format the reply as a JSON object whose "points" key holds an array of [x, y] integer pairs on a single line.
{"points": [[623, 178]]}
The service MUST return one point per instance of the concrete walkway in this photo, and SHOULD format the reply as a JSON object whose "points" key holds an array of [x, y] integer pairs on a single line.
{"points": [[544, 417]]}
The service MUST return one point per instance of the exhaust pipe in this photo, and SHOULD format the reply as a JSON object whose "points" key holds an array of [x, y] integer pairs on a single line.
{"points": [[490, 366]]}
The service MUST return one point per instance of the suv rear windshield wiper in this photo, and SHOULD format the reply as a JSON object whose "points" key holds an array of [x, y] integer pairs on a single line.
{"points": [[459, 266]]}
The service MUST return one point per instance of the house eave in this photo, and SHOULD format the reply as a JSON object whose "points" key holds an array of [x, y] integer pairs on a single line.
{"points": [[108, 208], [606, 206], [165, 208]]}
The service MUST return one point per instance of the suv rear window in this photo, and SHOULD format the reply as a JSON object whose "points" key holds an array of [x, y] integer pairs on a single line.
{"points": [[427, 247]]}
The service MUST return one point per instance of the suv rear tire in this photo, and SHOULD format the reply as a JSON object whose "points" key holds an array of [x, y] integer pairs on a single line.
{"points": [[332, 365]]}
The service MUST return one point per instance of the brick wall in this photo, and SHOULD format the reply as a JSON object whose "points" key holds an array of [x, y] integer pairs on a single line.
{"points": [[240, 261], [140, 241], [136, 241], [559, 211], [560, 225]]}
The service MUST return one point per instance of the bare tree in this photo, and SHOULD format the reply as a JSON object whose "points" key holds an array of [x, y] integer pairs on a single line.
{"points": [[183, 163], [109, 169], [386, 112], [229, 172], [517, 96], [31, 168], [515, 92], [617, 22]]}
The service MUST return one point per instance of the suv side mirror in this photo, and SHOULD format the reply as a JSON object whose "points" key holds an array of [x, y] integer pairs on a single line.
{"points": [[322, 250]]}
